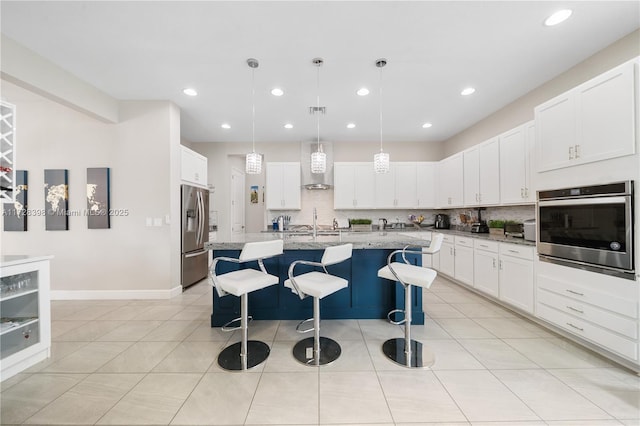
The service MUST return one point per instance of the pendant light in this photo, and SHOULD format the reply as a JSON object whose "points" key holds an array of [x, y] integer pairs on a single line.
{"points": [[318, 158], [381, 159], [253, 164]]}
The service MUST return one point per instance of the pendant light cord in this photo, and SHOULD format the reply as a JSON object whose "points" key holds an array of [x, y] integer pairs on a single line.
{"points": [[253, 109], [380, 109], [318, 104]]}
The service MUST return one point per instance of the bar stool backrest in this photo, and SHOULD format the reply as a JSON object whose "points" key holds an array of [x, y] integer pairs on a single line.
{"points": [[436, 243], [336, 254], [261, 250]]}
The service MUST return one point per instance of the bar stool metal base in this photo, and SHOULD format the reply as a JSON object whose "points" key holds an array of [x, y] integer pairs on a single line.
{"points": [[420, 356], [257, 352], [329, 351]]}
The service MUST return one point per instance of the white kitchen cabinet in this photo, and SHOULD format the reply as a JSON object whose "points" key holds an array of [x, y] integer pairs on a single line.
{"points": [[193, 167], [354, 186], [592, 122], [283, 186], [598, 308], [485, 267], [398, 188], [516, 152], [516, 276], [482, 174], [450, 181], [426, 186], [446, 256], [25, 328], [463, 253]]}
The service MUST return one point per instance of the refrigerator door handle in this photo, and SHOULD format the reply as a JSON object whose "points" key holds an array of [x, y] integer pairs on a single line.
{"points": [[202, 213], [198, 218], [198, 253]]}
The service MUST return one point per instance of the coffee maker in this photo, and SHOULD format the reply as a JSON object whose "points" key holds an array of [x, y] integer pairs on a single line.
{"points": [[441, 222], [480, 226]]}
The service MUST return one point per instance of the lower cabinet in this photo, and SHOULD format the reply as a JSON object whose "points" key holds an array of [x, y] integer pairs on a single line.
{"points": [[447, 256], [485, 267], [516, 276], [597, 308], [463, 253]]}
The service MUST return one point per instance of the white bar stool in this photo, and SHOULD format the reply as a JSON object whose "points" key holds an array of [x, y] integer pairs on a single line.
{"points": [[246, 353], [404, 351], [316, 350]]}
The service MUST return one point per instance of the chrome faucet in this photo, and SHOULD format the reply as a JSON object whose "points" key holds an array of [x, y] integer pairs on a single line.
{"points": [[315, 222]]}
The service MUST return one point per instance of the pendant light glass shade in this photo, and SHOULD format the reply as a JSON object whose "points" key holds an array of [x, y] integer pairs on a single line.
{"points": [[318, 158], [381, 159], [318, 161], [381, 162], [253, 164]]}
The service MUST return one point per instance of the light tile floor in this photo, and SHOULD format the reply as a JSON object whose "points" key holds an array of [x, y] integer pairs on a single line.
{"points": [[154, 363]]}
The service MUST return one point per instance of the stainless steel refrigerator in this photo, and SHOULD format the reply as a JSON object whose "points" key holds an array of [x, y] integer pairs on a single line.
{"points": [[195, 232]]}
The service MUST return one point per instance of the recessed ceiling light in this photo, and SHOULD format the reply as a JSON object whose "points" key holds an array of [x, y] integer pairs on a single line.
{"points": [[351, 125], [277, 91], [363, 91], [558, 17], [225, 126], [426, 125], [467, 91], [288, 126], [190, 92]]}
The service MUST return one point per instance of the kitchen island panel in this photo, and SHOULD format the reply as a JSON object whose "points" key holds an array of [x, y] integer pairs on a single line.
{"points": [[366, 297]]}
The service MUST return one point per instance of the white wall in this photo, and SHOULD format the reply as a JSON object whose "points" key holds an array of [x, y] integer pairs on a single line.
{"points": [[130, 259], [521, 110], [220, 156]]}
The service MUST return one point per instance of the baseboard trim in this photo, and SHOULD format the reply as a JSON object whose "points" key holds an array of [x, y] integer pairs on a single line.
{"points": [[115, 294]]}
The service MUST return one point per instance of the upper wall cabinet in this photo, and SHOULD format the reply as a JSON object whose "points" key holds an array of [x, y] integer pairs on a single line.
{"points": [[283, 186], [426, 187], [193, 167], [482, 174], [408, 185], [592, 122], [450, 181], [354, 186], [516, 158]]}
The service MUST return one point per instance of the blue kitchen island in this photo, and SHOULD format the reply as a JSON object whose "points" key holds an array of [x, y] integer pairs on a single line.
{"points": [[366, 297]]}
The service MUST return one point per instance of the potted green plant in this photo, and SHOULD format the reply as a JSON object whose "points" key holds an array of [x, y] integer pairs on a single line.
{"points": [[360, 225], [496, 227]]}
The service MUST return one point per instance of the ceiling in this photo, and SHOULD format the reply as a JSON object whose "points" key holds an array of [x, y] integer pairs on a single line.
{"points": [[151, 50]]}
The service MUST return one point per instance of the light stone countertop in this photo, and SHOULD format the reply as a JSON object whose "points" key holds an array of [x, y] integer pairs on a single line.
{"points": [[297, 241], [392, 239], [20, 259]]}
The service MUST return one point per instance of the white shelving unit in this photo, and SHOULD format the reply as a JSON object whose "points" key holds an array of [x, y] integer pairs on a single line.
{"points": [[25, 323], [7, 152]]}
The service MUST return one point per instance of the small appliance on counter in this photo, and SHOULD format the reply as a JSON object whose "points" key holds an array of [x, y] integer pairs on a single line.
{"points": [[382, 223], [441, 222], [530, 229], [515, 230], [479, 227]]}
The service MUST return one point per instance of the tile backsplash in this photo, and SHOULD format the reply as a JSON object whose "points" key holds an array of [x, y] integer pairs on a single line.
{"points": [[322, 200]]}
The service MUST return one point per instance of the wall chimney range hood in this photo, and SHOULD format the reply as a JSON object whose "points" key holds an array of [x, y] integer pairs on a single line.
{"points": [[314, 181]]}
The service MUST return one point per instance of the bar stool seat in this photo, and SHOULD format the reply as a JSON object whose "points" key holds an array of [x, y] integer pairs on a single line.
{"points": [[316, 350], [246, 353], [405, 351]]}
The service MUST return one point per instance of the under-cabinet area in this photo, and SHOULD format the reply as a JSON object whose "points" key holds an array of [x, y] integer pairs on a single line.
{"points": [[25, 315]]}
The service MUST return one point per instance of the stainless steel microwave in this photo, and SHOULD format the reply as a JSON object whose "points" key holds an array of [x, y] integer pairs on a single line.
{"points": [[590, 226]]}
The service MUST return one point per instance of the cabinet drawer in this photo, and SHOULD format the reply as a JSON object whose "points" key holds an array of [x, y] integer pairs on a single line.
{"points": [[485, 245], [583, 294], [464, 241], [523, 252], [584, 311], [447, 238], [19, 338], [604, 338]]}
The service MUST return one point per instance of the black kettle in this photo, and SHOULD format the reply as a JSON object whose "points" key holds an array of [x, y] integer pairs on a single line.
{"points": [[441, 222]]}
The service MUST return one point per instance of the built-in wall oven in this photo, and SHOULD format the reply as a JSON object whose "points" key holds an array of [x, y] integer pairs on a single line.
{"points": [[588, 227]]}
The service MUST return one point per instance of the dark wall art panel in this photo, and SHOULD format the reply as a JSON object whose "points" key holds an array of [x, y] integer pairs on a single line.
{"points": [[98, 198], [56, 199], [15, 214]]}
